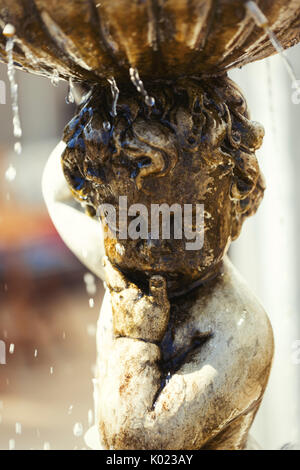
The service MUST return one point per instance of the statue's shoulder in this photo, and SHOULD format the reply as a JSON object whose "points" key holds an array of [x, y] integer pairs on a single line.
{"points": [[227, 310], [229, 300]]}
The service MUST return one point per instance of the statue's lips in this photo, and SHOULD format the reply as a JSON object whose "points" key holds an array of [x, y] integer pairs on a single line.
{"points": [[94, 41]]}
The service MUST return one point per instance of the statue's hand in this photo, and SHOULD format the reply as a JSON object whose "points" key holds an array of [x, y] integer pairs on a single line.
{"points": [[136, 314]]}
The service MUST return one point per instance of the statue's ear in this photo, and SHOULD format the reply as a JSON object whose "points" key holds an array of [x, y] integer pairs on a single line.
{"points": [[254, 136]]}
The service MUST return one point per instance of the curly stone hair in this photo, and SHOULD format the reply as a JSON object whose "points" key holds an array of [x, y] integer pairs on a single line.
{"points": [[190, 114]]}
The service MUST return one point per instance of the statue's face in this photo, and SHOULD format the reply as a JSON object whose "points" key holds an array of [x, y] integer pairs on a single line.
{"points": [[192, 181], [195, 148]]}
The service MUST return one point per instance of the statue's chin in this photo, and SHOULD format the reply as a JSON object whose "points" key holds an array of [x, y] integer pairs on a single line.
{"points": [[177, 282]]}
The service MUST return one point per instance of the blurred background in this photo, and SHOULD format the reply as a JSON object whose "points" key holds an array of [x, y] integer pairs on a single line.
{"points": [[47, 319]]}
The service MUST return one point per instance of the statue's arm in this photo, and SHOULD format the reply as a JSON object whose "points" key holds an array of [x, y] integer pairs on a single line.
{"points": [[196, 403], [82, 234]]}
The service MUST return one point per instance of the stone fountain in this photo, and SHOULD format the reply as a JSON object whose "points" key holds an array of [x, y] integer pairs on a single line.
{"points": [[184, 348]]}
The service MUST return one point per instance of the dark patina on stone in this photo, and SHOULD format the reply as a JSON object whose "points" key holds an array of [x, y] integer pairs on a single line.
{"points": [[91, 40], [196, 145]]}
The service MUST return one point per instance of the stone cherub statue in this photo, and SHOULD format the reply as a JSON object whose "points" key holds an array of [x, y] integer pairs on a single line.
{"points": [[184, 349]]}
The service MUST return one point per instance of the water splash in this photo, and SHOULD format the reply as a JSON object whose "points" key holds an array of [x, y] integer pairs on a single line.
{"points": [[46, 446], [115, 94], [262, 21], [135, 78], [9, 32]]}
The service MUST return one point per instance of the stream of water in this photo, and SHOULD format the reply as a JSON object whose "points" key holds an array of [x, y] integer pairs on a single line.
{"points": [[115, 95], [135, 78], [262, 21]]}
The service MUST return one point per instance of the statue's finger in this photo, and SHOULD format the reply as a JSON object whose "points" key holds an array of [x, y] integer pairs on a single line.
{"points": [[158, 287]]}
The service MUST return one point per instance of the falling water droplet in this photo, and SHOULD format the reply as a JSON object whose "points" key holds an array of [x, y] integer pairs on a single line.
{"points": [[18, 428], [90, 284], [137, 82], [149, 100], [288, 66], [115, 94], [11, 444], [78, 430], [262, 21], [91, 302], [51, 370], [10, 173], [9, 30], [35, 353], [90, 417], [11, 348], [18, 148], [12, 79], [88, 278], [70, 409], [91, 330]]}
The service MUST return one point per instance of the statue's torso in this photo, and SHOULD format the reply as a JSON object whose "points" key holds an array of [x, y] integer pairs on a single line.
{"points": [[219, 348]]}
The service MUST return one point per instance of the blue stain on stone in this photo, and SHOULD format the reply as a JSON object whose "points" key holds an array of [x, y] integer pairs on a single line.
{"points": [[78, 183]]}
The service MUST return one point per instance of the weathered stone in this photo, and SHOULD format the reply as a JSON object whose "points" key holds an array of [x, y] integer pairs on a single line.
{"points": [[94, 40], [214, 364]]}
